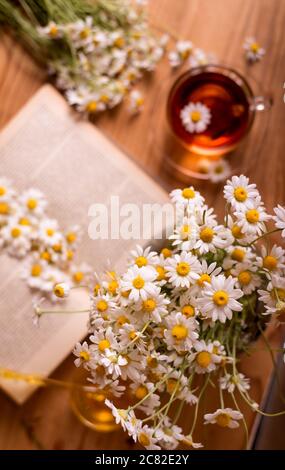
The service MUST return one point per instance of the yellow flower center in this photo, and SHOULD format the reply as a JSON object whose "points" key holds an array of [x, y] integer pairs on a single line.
{"points": [[36, 270], [119, 42], [236, 232], [103, 344], [69, 255], [105, 99], [53, 31], [203, 359], [58, 291], [113, 286], [185, 229], [84, 355], [244, 277], [188, 193], [15, 232], [152, 362], [71, 237], [138, 282], [133, 335], [240, 194], [220, 298], [2, 191], [223, 420], [238, 254], [121, 320], [143, 439], [125, 294], [185, 54], [202, 279], [24, 221], [46, 256], [141, 392], [149, 305], [102, 305], [270, 262], [78, 276], [254, 47], [32, 204], [50, 232], [96, 289], [195, 116], [141, 261], [171, 385], [91, 106], [85, 33], [182, 268], [188, 311], [4, 208], [179, 332], [160, 273], [252, 216], [57, 248], [207, 234], [166, 253]]}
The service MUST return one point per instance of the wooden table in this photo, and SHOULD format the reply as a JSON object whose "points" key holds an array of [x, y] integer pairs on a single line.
{"points": [[221, 26]]}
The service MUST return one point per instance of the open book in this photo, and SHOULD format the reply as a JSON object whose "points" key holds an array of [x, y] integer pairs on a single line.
{"points": [[47, 146]]}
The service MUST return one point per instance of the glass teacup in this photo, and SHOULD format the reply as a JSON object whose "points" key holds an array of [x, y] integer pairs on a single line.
{"points": [[232, 106]]}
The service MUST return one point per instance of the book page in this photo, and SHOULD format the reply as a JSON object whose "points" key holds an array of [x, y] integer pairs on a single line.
{"points": [[49, 147]]}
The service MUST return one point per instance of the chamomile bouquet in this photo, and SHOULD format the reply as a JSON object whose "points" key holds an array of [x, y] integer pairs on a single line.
{"points": [[174, 321]]}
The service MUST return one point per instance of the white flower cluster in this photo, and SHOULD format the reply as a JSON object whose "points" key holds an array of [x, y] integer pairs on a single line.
{"points": [[186, 52], [27, 232], [175, 320], [108, 58]]}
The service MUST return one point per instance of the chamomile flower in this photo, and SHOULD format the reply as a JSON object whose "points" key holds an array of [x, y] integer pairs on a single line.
{"points": [[103, 305], [235, 229], [195, 117], [103, 341], [188, 440], [169, 435], [81, 274], [185, 234], [199, 58], [253, 51], [85, 100], [274, 295], [230, 382], [182, 51], [61, 290], [121, 415], [252, 219], [205, 359], [273, 260], [239, 193], [143, 257], [145, 392], [7, 192], [33, 202], [187, 198], [139, 282], [219, 171], [247, 279], [83, 354], [49, 233], [51, 30], [212, 237], [219, 299], [237, 254], [224, 417], [183, 270], [207, 272], [154, 307], [73, 236], [146, 437], [136, 101], [181, 332], [279, 218], [17, 238]]}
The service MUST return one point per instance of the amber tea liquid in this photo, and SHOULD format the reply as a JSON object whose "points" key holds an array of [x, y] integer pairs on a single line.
{"points": [[228, 102]]}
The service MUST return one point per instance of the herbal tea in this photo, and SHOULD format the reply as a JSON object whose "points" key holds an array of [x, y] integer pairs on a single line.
{"points": [[226, 97]]}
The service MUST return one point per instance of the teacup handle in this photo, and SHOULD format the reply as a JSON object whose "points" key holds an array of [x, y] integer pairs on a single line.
{"points": [[261, 103]]}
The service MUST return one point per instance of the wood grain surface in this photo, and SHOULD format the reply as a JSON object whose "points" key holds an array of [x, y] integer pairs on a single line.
{"points": [[46, 420]]}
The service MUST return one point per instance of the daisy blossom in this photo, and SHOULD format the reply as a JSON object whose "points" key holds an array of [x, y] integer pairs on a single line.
{"points": [[253, 51], [195, 117], [181, 332], [139, 282], [239, 193], [279, 218], [183, 270], [224, 417], [219, 299]]}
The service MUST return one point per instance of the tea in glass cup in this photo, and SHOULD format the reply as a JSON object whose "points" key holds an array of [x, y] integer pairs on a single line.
{"points": [[226, 96]]}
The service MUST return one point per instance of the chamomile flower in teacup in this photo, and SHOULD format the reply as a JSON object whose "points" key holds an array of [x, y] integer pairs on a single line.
{"points": [[195, 117]]}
